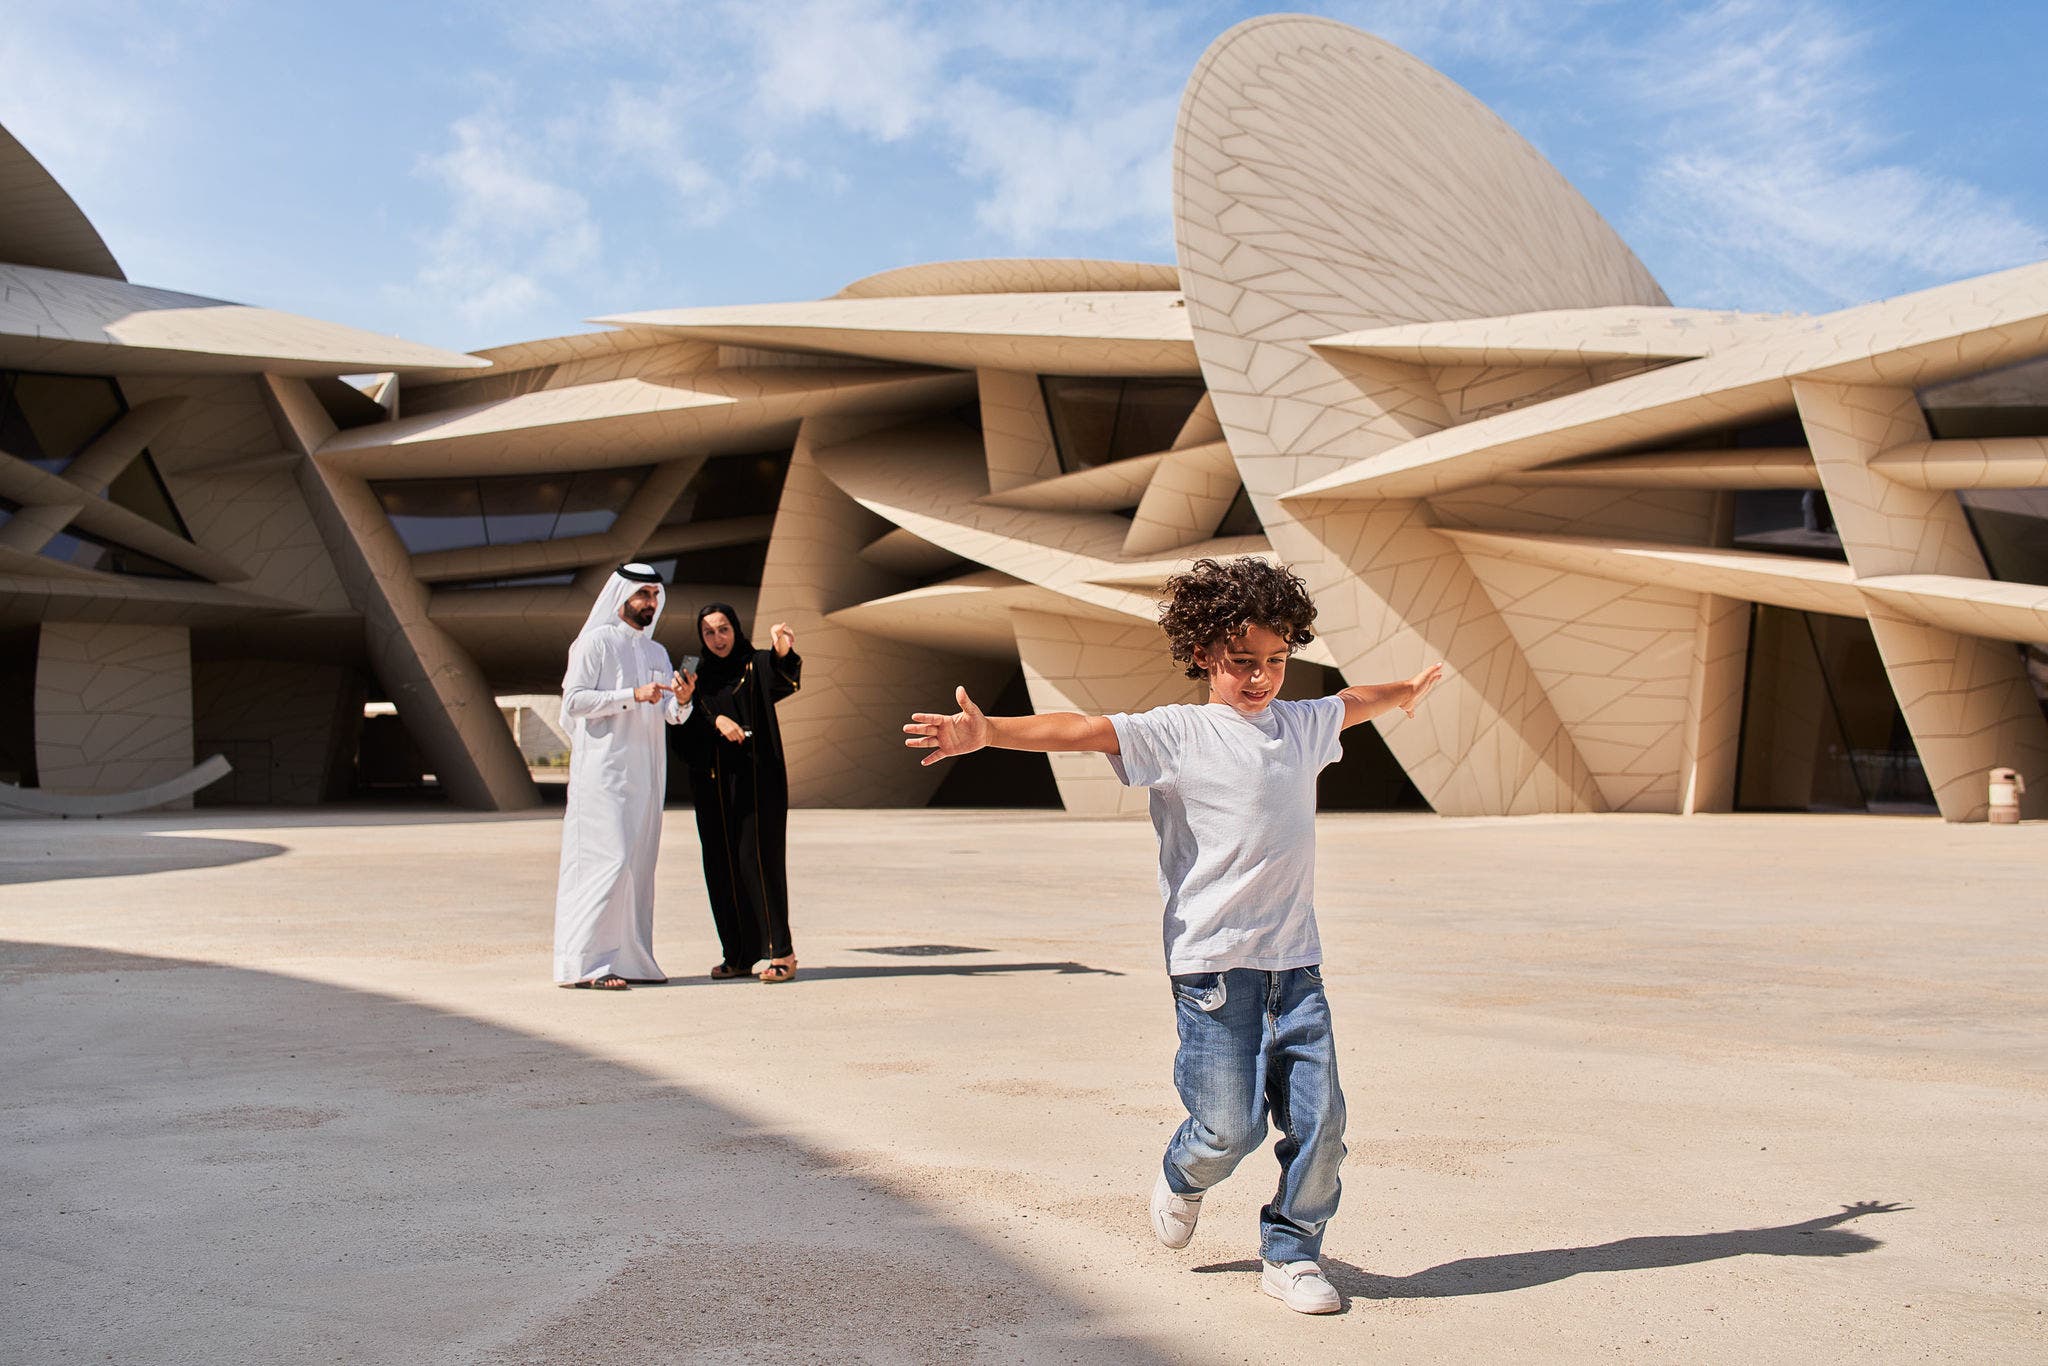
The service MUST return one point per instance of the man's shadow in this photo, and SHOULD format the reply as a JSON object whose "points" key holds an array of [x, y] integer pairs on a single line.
{"points": [[1519, 1270]]}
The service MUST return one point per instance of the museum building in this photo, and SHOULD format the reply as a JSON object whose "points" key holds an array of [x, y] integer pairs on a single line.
{"points": [[1677, 559]]}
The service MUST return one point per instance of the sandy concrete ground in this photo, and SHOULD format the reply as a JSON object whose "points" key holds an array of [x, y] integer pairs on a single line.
{"points": [[287, 1089]]}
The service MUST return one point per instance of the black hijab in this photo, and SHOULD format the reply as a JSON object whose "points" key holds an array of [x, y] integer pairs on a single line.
{"points": [[715, 675]]}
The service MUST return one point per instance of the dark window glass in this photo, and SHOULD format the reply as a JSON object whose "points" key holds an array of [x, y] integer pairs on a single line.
{"points": [[75, 547], [560, 578], [732, 486], [1821, 728], [47, 419], [735, 564], [594, 501], [2012, 529], [456, 514], [522, 509], [1962, 424], [1240, 518], [1787, 521], [140, 488], [434, 514], [1097, 421]]}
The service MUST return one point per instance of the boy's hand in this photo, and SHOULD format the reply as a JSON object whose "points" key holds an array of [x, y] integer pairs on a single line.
{"points": [[1419, 686], [961, 733]]}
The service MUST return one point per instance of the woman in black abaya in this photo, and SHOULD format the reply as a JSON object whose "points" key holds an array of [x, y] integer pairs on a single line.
{"points": [[733, 747]]}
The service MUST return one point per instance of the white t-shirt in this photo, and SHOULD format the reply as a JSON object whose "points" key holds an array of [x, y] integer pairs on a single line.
{"points": [[1234, 802]]}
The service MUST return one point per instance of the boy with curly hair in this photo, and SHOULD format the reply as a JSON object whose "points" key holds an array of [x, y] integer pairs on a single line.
{"points": [[1233, 798]]}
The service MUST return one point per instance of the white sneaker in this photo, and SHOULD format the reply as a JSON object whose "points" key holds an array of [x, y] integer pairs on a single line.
{"points": [[1301, 1287], [1173, 1216]]}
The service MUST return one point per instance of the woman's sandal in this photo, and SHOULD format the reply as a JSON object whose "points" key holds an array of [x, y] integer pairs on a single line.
{"points": [[726, 972], [779, 970], [610, 982]]}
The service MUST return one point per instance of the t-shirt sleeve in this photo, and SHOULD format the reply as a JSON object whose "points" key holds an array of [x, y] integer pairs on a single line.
{"points": [[1323, 740], [1146, 749]]}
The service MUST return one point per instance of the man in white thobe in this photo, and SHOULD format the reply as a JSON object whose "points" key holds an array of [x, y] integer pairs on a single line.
{"points": [[618, 693]]}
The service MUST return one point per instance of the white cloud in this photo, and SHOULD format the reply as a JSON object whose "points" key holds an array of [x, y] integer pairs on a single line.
{"points": [[1774, 170], [511, 233]]}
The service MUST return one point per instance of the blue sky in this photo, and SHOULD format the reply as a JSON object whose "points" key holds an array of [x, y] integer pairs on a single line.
{"points": [[469, 174]]}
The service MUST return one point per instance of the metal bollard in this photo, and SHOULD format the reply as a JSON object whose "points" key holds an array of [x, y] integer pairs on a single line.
{"points": [[2006, 787]]}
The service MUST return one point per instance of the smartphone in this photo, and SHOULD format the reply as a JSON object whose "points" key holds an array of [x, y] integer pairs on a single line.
{"points": [[690, 663]]}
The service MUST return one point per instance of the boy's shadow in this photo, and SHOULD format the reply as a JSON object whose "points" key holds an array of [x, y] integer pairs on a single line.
{"points": [[1519, 1270]]}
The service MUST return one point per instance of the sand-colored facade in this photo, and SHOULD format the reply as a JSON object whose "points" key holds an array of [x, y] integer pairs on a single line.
{"points": [[1678, 559]]}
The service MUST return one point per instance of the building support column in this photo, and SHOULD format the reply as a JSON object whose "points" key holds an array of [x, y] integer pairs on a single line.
{"points": [[440, 694], [1966, 700]]}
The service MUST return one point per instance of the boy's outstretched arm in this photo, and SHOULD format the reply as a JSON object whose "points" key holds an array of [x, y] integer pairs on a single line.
{"points": [[1364, 701], [968, 730]]}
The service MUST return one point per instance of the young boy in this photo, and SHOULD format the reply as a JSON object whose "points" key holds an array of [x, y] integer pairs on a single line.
{"points": [[1233, 796]]}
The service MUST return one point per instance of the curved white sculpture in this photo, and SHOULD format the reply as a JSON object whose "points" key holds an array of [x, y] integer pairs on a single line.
{"points": [[37, 802]]}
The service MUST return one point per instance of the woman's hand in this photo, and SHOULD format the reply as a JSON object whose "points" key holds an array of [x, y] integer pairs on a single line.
{"points": [[730, 729], [784, 639], [683, 686], [961, 733]]}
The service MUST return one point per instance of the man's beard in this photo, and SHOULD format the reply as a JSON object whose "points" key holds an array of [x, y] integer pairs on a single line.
{"points": [[642, 617]]}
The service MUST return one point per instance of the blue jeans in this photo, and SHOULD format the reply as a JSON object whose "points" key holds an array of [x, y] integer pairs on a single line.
{"points": [[1251, 1044]]}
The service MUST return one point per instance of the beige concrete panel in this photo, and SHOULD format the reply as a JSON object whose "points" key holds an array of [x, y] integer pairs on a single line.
{"points": [[1041, 275], [1762, 467], [113, 707], [1471, 392], [51, 503], [1654, 514], [910, 556], [1712, 736], [630, 421], [563, 363], [843, 732], [288, 727], [967, 615], [1914, 340], [55, 320], [41, 225], [2017, 462], [115, 449], [34, 589], [1097, 668], [444, 700], [1615, 660], [1126, 333], [927, 477], [1569, 337], [1015, 431], [1102, 488], [1201, 427], [232, 480], [1326, 183], [1782, 580], [713, 535], [1974, 607], [1190, 491], [1967, 700]]}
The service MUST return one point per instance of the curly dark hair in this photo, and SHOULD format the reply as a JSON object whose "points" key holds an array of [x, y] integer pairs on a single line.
{"points": [[1218, 599]]}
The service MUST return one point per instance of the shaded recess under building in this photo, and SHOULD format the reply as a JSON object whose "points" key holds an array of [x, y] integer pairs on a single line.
{"points": [[1678, 559]]}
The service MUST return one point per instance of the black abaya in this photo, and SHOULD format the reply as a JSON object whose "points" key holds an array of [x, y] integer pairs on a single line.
{"points": [[742, 798]]}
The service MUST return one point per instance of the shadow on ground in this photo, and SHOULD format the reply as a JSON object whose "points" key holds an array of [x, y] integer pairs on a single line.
{"points": [[864, 971], [50, 851], [203, 1163], [1818, 1237]]}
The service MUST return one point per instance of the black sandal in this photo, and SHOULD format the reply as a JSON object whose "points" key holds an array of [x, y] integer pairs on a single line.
{"points": [[609, 982], [726, 972]]}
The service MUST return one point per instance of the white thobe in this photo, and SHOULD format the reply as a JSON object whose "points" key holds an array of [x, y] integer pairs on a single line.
{"points": [[611, 834]]}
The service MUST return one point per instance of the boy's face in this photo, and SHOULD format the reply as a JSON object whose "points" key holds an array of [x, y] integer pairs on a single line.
{"points": [[1245, 670]]}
